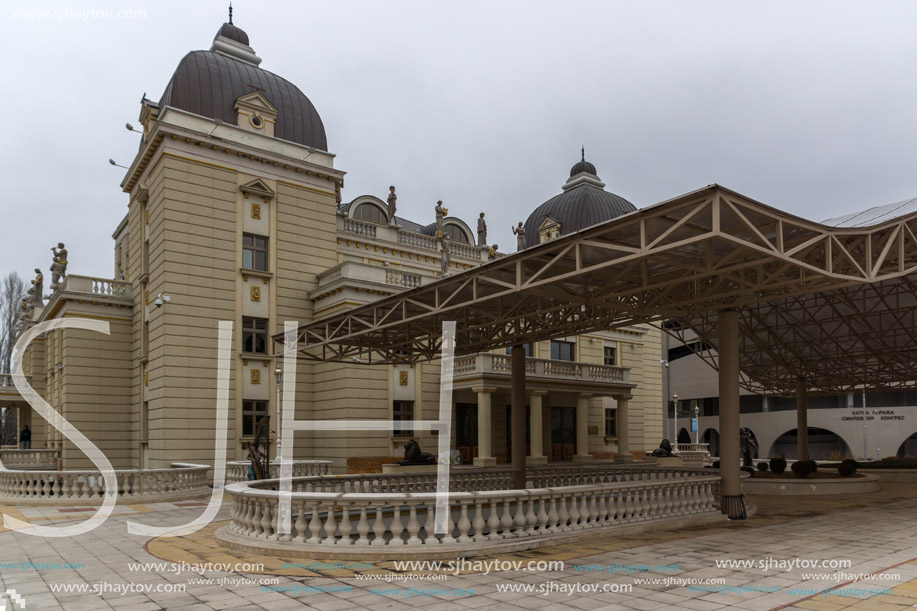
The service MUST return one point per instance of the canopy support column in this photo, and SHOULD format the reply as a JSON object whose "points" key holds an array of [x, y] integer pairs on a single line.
{"points": [[517, 411], [485, 457], [582, 428], [731, 502], [802, 421], [536, 446], [623, 423]]}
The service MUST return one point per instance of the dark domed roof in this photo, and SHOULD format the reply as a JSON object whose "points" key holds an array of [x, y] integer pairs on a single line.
{"points": [[582, 204], [208, 83], [232, 32], [582, 166]]}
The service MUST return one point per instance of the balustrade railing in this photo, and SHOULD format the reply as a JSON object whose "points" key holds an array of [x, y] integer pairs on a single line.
{"points": [[487, 362], [416, 239], [402, 520], [88, 487], [6, 381], [238, 471], [360, 228], [97, 286], [29, 459], [402, 279], [463, 250]]}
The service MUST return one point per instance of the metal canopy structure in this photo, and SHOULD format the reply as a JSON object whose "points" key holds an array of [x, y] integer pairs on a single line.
{"points": [[832, 305]]}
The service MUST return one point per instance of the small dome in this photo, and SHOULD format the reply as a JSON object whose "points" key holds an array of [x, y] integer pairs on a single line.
{"points": [[582, 166], [228, 30], [583, 203]]}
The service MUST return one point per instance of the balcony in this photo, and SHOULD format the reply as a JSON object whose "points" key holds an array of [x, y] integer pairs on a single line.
{"points": [[8, 390], [96, 286], [541, 374], [354, 282], [395, 235]]}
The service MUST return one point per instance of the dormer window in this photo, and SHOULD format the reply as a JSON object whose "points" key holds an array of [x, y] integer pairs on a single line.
{"points": [[548, 230], [255, 112]]}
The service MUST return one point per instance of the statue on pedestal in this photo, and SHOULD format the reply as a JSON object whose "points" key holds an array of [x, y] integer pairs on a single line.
{"points": [[59, 267], [414, 456], [492, 252], [35, 292], [482, 231], [446, 258], [440, 215], [746, 444], [392, 202], [519, 231]]}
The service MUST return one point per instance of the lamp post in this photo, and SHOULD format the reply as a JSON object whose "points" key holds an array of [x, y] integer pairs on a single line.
{"points": [[696, 424], [278, 377], [675, 410]]}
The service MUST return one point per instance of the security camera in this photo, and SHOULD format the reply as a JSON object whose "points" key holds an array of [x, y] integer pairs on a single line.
{"points": [[161, 299]]}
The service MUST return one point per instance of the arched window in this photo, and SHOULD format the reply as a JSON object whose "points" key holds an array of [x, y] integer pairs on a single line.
{"points": [[455, 233], [371, 213]]}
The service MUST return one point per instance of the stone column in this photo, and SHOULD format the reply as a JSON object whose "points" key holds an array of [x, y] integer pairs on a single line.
{"points": [[485, 457], [582, 428], [622, 419], [802, 421], [517, 402], [536, 456], [730, 486]]}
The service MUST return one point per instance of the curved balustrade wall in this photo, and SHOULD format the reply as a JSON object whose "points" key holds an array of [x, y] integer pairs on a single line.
{"points": [[12, 458], [182, 481], [392, 515], [238, 471]]}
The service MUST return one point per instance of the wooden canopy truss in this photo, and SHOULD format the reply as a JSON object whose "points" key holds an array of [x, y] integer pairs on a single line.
{"points": [[832, 305]]}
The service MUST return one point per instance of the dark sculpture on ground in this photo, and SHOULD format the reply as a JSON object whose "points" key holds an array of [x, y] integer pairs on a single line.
{"points": [[259, 451], [414, 456], [664, 450], [746, 444]]}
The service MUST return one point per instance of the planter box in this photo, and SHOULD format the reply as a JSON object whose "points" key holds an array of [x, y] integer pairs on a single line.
{"points": [[811, 487]]}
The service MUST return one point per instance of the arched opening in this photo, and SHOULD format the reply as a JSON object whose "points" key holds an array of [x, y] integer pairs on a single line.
{"points": [[370, 212], [908, 447], [455, 233], [684, 436], [712, 439], [823, 445]]}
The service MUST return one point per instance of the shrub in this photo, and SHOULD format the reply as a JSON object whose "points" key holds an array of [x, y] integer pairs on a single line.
{"points": [[804, 468], [778, 465], [847, 468], [763, 466]]}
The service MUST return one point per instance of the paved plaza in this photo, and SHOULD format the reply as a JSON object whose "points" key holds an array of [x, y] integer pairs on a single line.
{"points": [[876, 533]]}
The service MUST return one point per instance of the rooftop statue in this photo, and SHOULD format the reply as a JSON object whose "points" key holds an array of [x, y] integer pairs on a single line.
{"points": [[446, 258], [59, 267], [440, 215], [520, 236], [392, 202], [482, 231], [38, 285]]}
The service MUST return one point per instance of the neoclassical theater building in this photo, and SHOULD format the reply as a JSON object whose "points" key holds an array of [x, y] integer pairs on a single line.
{"points": [[235, 213]]}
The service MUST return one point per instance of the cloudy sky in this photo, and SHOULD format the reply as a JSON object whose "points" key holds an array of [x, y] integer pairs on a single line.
{"points": [[807, 106]]}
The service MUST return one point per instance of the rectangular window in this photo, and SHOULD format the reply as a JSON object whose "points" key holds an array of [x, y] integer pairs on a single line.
{"points": [[610, 423], [254, 252], [529, 349], [254, 335], [252, 412], [562, 351], [403, 411], [610, 355]]}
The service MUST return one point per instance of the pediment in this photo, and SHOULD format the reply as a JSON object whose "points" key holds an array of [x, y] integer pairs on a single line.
{"points": [[256, 101], [257, 187]]}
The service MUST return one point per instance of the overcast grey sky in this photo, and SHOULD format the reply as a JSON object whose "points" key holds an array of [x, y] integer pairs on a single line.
{"points": [[807, 106]]}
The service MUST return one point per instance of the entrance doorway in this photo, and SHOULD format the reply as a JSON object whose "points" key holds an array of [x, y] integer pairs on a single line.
{"points": [[466, 431], [563, 433]]}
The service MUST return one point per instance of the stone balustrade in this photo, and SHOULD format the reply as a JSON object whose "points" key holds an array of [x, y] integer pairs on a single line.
{"points": [[8, 390], [360, 228], [96, 286], [352, 273], [416, 239], [238, 471], [37, 458], [182, 481], [401, 522], [489, 363]]}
